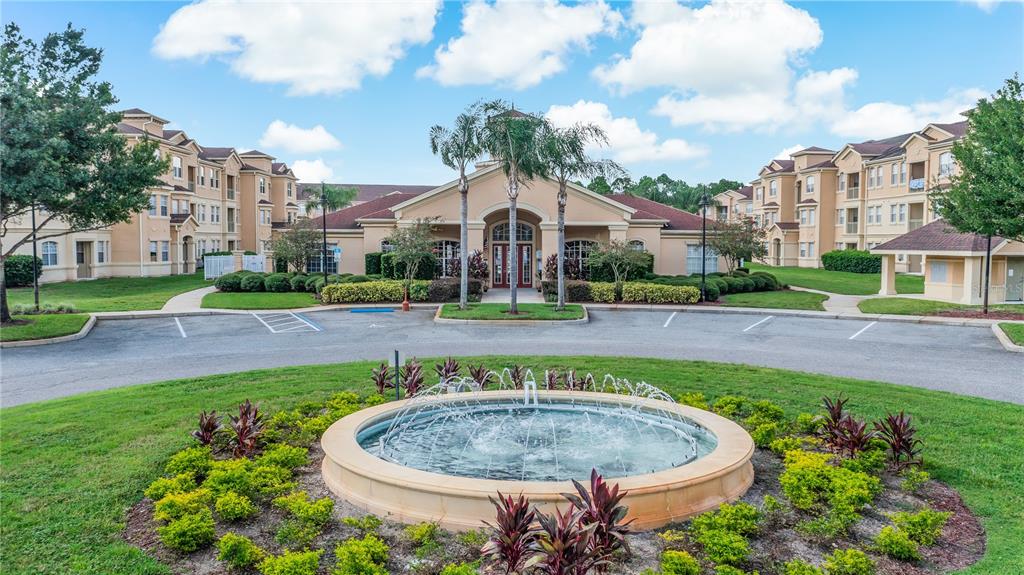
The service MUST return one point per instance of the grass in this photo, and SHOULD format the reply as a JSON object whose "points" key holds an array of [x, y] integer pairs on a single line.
{"points": [[1014, 331], [72, 466], [777, 299], [839, 282], [909, 306], [499, 311], [258, 300], [43, 326], [113, 294]]}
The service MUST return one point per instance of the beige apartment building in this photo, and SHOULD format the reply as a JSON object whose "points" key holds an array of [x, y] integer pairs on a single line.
{"points": [[211, 199], [735, 205]]}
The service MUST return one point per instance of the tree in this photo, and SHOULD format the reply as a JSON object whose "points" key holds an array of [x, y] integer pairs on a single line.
{"points": [[564, 150], [62, 155], [331, 199], [734, 241], [458, 147], [986, 196], [600, 185], [298, 245], [620, 257], [513, 140], [411, 246]]}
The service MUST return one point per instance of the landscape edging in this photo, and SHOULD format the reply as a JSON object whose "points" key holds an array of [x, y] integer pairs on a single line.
{"points": [[584, 319], [1004, 339], [48, 340]]}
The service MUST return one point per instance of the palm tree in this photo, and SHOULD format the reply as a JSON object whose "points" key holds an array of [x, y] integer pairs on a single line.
{"points": [[331, 199], [564, 152], [458, 147], [513, 140]]}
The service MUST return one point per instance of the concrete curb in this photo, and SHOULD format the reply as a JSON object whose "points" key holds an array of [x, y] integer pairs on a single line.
{"points": [[1005, 340], [89, 323], [584, 319]]}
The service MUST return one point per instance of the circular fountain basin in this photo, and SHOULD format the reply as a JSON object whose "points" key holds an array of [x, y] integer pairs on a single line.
{"points": [[442, 460]]}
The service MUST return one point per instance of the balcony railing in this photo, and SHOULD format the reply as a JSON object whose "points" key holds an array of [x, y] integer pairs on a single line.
{"points": [[851, 227], [853, 192], [231, 227], [914, 224], [191, 186], [231, 193], [917, 184]]}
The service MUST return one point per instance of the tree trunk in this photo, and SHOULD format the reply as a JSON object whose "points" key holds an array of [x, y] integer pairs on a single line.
{"points": [[988, 272], [513, 256], [464, 242], [5, 312], [561, 246]]}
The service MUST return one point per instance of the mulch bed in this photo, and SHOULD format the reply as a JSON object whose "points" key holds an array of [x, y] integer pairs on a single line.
{"points": [[976, 314]]}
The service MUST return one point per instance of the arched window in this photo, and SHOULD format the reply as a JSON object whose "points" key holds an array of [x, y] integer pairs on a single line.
{"points": [[524, 232], [447, 252], [49, 253], [579, 251], [637, 245]]}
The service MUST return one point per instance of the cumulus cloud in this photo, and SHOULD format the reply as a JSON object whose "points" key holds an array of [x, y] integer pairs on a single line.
{"points": [[312, 170], [627, 142], [314, 47], [785, 152], [880, 119], [986, 5], [292, 138], [518, 44]]}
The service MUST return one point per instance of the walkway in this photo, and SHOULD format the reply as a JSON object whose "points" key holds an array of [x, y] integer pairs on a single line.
{"points": [[188, 301], [523, 295], [839, 303]]}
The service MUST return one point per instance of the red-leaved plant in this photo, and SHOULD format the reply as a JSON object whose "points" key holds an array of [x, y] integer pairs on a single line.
{"points": [[551, 380], [513, 539], [572, 383], [447, 370], [412, 377], [481, 375], [831, 431], [898, 433], [209, 427], [518, 375], [247, 428], [382, 378], [566, 545], [601, 507], [854, 437]]}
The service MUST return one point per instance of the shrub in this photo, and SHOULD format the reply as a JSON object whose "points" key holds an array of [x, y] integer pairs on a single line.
{"points": [[474, 539], [765, 411], [238, 551], [231, 282], [771, 282], [252, 282], [732, 406], [809, 481], [298, 282], [898, 431], [602, 271], [679, 563], [18, 270], [694, 399], [897, 544], [870, 461], [460, 569], [368, 523], [856, 261], [764, 434], [730, 570], [373, 292], [364, 556], [372, 262], [231, 507], [295, 534], [712, 290], [283, 456], [801, 567], [602, 292], [923, 527], [163, 485], [575, 290], [424, 537], [849, 562], [636, 292], [725, 547], [738, 518], [806, 423], [292, 563], [913, 479], [176, 505], [194, 460], [189, 532], [230, 475], [783, 444], [298, 504], [277, 283], [311, 283]]}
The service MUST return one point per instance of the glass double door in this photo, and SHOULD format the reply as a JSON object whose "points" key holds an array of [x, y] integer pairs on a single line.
{"points": [[500, 271]]}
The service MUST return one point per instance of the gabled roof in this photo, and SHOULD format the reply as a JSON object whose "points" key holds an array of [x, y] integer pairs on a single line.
{"points": [[130, 129], [781, 166], [956, 129], [811, 150], [280, 168], [376, 208], [786, 226], [211, 153], [827, 164], [365, 192], [770, 205], [265, 203], [746, 191], [168, 134], [250, 168], [675, 218], [807, 202], [938, 236], [138, 112], [256, 153]]}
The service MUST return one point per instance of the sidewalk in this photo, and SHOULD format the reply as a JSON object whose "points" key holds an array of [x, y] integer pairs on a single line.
{"points": [[188, 301], [523, 295], [839, 303]]}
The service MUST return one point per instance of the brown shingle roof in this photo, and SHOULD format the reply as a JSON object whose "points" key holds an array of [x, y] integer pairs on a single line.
{"points": [[813, 150], [770, 205], [938, 236], [178, 218], [651, 210], [378, 207], [877, 147], [785, 166], [168, 134], [958, 129], [787, 225], [746, 191], [210, 153], [256, 153], [807, 201], [265, 203], [128, 129], [279, 168], [366, 192], [820, 165]]}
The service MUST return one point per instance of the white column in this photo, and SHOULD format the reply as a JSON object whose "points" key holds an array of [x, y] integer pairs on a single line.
{"points": [[888, 275]]}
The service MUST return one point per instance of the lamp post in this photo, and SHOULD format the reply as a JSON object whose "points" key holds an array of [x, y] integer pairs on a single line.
{"points": [[35, 264], [323, 217], [703, 243]]}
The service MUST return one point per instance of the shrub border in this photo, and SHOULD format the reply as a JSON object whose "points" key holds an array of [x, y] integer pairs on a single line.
{"points": [[584, 319]]}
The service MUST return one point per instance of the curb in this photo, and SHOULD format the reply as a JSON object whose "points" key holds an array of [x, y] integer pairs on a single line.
{"points": [[89, 323], [584, 319], [1005, 340]]}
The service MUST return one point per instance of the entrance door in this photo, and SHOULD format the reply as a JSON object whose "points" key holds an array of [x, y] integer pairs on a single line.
{"points": [[83, 257], [501, 275], [778, 252], [1015, 279]]}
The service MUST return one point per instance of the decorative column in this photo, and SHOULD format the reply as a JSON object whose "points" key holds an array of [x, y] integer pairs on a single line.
{"points": [[548, 243], [617, 232], [888, 275]]}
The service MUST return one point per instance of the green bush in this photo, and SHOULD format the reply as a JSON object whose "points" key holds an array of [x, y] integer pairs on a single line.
{"points": [[194, 460], [298, 282], [732, 406], [364, 556], [310, 284], [252, 283], [18, 270], [801, 567], [807, 423], [367, 523], [238, 551], [231, 282], [849, 562], [460, 569], [783, 444], [765, 411], [231, 507], [602, 292], [176, 505], [575, 290], [809, 481], [771, 282], [387, 265], [868, 461], [856, 261], [897, 544], [230, 475], [913, 479], [724, 546], [765, 434], [163, 485], [295, 534], [391, 269], [372, 262], [384, 291], [730, 570], [923, 527], [694, 399], [636, 292], [299, 505], [604, 274], [284, 456], [679, 563], [277, 283], [271, 480], [189, 532], [424, 537], [292, 563], [738, 518]]}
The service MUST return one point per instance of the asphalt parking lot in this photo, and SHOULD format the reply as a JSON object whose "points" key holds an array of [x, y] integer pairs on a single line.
{"points": [[964, 360]]}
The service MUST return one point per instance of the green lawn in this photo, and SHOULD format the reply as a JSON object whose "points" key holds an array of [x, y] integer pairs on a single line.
{"points": [[44, 325], [909, 306], [545, 311], [258, 300], [777, 299], [1015, 331], [112, 294], [839, 282], [72, 466]]}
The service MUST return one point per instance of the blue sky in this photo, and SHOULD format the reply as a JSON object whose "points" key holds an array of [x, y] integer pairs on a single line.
{"points": [[700, 91]]}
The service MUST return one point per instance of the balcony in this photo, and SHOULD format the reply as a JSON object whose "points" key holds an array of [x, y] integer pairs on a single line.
{"points": [[192, 187], [231, 227], [917, 184], [853, 192], [914, 224], [851, 227], [231, 193]]}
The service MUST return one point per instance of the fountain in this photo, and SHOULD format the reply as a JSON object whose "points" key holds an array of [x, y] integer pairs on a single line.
{"points": [[438, 455]]}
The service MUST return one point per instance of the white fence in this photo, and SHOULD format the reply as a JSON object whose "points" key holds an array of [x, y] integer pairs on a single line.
{"points": [[216, 266], [254, 263]]}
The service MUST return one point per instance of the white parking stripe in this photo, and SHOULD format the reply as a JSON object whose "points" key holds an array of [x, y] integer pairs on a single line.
{"points": [[863, 329], [750, 327], [669, 320], [278, 322], [181, 329]]}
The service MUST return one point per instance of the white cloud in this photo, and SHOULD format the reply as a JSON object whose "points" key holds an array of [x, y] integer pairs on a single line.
{"points": [[518, 44], [312, 170], [292, 138], [785, 152], [986, 5], [880, 119], [314, 48], [626, 141]]}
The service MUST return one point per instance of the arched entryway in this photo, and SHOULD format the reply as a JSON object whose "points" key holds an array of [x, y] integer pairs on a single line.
{"points": [[188, 251], [501, 245], [777, 251]]}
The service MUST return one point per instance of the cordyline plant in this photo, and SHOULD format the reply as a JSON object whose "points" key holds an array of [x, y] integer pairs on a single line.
{"points": [[412, 377], [566, 544], [898, 433], [481, 375], [601, 508], [571, 382], [209, 427], [831, 423], [518, 376], [854, 437], [448, 369], [247, 428], [551, 380], [514, 538], [382, 378]]}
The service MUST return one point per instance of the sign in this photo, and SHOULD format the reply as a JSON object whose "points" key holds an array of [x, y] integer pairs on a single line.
{"points": [[337, 252]]}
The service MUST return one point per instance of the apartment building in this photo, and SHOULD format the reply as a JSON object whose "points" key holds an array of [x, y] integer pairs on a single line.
{"points": [[735, 205], [211, 199]]}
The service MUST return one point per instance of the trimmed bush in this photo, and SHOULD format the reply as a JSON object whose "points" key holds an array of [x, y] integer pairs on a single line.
{"points": [[238, 551], [353, 279], [460, 569], [163, 485], [387, 265], [310, 284], [176, 505], [679, 563], [372, 292], [190, 532], [810, 481], [18, 270], [284, 456], [292, 563], [277, 283], [856, 261], [194, 460], [636, 292], [849, 562], [897, 544], [772, 283], [372, 262], [232, 507], [252, 283], [231, 282], [298, 282], [602, 292], [391, 269], [924, 527], [364, 556]]}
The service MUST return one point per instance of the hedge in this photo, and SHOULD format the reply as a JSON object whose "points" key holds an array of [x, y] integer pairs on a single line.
{"points": [[856, 261], [604, 273], [18, 270], [372, 261], [374, 292], [396, 271], [277, 283], [637, 292], [580, 291], [298, 282], [252, 282]]}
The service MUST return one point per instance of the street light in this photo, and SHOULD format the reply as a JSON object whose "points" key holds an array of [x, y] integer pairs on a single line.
{"points": [[323, 217], [703, 243]]}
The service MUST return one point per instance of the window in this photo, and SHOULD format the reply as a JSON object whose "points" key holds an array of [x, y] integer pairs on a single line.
{"points": [[152, 205], [152, 251], [803, 217], [265, 217], [693, 253], [945, 163], [773, 188], [940, 271], [165, 251], [903, 172], [289, 189], [892, 213], [840, 217], [202, 176], [579, 251], [215, 214], [291, 217], [810, 249], [637, 245], [101, 252], [903, 213], [49, 253], [810, 184], [176, 166], [803, 250], [759, 192], [263, 185], [215, 179], [163, 206], [842, 182], [810, 215], [840, 245], [524, 232], [447, 252], [893, 174], [313, 265]]}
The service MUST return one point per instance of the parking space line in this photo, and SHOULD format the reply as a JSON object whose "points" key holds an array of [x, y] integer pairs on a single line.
{"points": [[181, 329], [750, 327], [669, 320], [279, 322], [863, 329]]}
